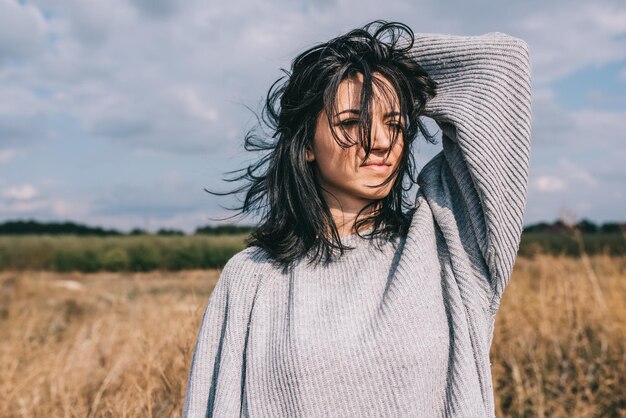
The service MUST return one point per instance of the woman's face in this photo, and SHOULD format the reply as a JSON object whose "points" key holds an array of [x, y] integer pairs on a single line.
{"points": [[339, 169]]}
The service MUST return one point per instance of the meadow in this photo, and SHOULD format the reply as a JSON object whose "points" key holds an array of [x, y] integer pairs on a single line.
{"points": [[119, 344]]}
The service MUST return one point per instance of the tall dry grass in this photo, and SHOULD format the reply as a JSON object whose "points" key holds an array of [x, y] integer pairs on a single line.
{"points": [[119, 345], [560, 339], [98, 345]]}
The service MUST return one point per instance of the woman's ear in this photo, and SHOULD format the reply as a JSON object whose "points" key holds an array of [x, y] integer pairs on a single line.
{"points": [[310, 156]]}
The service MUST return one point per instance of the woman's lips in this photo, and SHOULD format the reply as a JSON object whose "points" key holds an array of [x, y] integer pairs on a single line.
{"points": [[378, 168]]}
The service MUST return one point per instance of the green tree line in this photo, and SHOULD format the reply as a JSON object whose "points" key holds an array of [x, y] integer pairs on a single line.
{"points": [[211, 247]]}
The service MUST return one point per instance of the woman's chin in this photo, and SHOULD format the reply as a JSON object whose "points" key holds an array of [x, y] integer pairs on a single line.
{"points": [[369, 195]]}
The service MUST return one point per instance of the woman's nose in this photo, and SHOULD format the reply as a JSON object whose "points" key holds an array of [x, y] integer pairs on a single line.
{"points": [[380, 136]]}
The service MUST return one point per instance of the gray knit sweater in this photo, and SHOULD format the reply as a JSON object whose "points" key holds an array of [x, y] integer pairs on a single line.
{"points": [[402, 332]]}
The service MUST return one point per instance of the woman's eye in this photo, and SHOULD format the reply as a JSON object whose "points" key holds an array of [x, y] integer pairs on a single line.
{"points": [[355, 122]]}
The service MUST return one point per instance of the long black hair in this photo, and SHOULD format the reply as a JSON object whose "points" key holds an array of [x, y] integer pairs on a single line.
{"points": [[283, 186]]}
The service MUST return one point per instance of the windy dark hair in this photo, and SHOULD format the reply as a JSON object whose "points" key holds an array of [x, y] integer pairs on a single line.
{"points": [[283, 186]]}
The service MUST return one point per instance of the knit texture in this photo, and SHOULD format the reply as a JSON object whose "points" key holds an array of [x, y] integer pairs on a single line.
{"points": [[405, 330]]}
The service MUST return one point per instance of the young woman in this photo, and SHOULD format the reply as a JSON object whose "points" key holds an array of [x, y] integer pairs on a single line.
{"points": [[343, 304]]}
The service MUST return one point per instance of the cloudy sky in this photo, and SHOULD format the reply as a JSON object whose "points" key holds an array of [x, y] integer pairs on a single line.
{"points": [[119, 113]]}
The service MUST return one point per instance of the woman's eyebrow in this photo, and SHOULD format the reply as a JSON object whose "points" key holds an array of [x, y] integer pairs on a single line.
{"points": [[392, 114], [357, 111], [354, 111]]}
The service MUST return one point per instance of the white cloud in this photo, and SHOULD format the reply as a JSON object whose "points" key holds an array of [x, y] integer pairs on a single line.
{"points": [[157, 8], [576, 161], [564, 37], [576, 173], [548, 184], [7, 154], [68, 209], [193, 104], [22, 31], [21, 208], [45, 208], [574, 131], [21, 192], [17, 101]]}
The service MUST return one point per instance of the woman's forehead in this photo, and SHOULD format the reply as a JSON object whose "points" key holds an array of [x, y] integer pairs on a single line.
{"points": [[383, 93]]}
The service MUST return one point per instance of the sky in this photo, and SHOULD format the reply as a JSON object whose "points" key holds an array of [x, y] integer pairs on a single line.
{"points": [[120, 113]]}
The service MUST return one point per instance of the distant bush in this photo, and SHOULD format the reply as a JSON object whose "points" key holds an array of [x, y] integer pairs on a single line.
{"points": [[85, 260], [123, 253], [35, 227], [115, 259], [163, 231], [143, 256], [567, 244], [224, 230]]}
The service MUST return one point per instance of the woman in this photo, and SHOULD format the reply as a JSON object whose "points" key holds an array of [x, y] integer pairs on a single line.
{"points": [[314, 318]]}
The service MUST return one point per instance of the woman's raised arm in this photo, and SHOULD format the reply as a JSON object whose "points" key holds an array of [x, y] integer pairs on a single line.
{"points": [[483, 108]]}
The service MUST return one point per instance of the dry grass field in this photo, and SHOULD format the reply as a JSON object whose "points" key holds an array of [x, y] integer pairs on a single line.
{"points": [[119, 344]]}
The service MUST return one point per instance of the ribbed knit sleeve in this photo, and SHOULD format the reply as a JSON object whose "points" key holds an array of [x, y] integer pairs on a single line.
{"points": [[204, 371], [483, 108]]}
